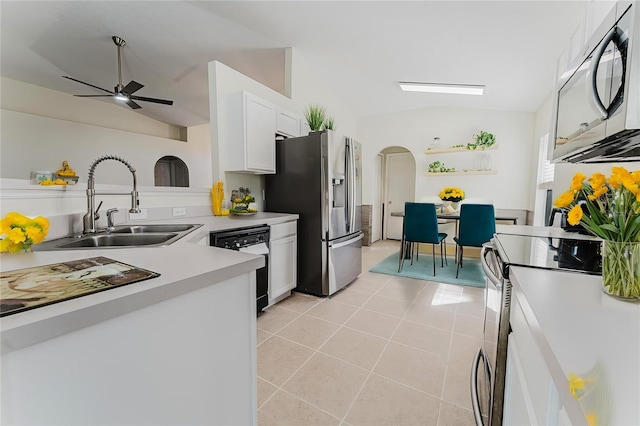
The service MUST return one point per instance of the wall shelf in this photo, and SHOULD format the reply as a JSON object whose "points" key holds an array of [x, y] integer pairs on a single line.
{"points": [[459, 149], [463, 173]]}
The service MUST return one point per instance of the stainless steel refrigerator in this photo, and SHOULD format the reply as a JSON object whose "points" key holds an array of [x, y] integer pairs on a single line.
{"points": [[319, 177]]}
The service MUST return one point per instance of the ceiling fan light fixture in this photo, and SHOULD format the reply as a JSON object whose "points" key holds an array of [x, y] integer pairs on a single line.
{"points": [[121, 97], [457, 89]]}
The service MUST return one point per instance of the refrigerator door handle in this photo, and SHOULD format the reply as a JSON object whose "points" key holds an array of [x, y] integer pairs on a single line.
{"points": [[347, 192], [346, 243], [325, 197], [352, 184]]}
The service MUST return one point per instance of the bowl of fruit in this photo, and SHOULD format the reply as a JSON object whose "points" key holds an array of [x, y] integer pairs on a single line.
{"points": [[244, 206]]}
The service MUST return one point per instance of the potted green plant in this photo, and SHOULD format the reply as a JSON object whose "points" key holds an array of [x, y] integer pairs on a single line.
{"points": [[315, 116], [483, 140], [329, 123]]}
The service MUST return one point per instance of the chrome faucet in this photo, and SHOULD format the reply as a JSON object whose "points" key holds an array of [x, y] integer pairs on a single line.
{"points": [[110, 225], [89, 219]]}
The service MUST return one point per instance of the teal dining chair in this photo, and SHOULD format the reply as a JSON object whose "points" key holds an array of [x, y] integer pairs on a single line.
{"points": [[477, 226], [420, 225]]}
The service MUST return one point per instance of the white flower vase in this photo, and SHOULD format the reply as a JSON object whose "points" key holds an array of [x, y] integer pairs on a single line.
{"points": [[449, 207]]}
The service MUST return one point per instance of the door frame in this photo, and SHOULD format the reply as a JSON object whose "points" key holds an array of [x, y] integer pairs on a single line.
{"points": [[385, 186]]}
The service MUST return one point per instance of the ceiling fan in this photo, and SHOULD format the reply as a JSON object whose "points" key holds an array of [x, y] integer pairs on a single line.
{"points": [[120, 92]]}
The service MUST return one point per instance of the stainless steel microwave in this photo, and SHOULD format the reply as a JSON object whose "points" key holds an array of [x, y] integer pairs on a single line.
{"points": [[597, 109]]}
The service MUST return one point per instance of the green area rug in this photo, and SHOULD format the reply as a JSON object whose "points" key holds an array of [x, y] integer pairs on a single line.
{"points": [[471, 273]]}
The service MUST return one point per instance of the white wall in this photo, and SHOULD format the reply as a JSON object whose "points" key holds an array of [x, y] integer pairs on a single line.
{"points": [[415, 130], [28, 98], [32, 142], [48, 129]]}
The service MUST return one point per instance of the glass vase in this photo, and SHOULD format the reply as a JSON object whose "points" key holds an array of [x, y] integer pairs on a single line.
{"points": [[621, 269]]}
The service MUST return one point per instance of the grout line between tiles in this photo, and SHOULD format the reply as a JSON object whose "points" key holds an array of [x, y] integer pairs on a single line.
{"points": [[366, 380], [429, 286]]}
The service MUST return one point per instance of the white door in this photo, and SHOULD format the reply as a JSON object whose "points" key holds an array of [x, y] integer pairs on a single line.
{"points": [[376, 207], [400, 184]]}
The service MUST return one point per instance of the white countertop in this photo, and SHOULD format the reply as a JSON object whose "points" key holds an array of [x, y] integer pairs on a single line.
{"points": [[578, 327], [183, 266]]}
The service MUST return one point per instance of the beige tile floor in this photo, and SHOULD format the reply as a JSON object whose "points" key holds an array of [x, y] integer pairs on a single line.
{"points": [[383, 351]]}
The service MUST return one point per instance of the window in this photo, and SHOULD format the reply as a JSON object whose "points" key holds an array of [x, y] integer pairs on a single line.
{"points": [[546, 169], [171, 171]]}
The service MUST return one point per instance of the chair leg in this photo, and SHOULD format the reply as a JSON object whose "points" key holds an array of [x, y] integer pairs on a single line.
{"points": [[441, 261], [433, 253], [445, 253], [459, 262], [402, 248], [411, 251]]}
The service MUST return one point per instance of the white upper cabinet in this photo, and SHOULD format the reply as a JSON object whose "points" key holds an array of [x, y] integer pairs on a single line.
{"points": [[288, 123], [580, 42], [251, 147]]}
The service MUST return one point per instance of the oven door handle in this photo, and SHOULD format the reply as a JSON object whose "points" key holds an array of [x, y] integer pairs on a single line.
{"points": [[487, 249], [475, 400]]}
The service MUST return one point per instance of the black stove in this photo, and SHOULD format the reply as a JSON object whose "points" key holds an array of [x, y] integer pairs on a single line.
{"points": [[574, 255]]}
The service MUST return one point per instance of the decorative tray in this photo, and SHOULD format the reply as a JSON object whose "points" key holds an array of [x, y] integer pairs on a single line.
{"points": [[242, 213], [30, 288]]}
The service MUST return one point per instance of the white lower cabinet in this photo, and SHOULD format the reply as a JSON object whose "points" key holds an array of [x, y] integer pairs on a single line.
{"points": [[283, 259], [531, 397]]}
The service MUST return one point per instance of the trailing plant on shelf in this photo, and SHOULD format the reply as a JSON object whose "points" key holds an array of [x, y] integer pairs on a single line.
{"points": [[483, 140], [315, 116], [438, 167]]}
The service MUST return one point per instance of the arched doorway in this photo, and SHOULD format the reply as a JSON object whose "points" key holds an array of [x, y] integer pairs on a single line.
{"points": [[397, 170], [171, 171]]}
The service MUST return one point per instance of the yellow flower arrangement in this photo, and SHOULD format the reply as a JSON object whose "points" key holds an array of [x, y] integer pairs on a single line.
{"points": [[20, 232], [613, 214], [450, 193], [613, 204]]}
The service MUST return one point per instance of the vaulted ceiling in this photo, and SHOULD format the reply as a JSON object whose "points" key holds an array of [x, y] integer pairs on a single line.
{"points": [[366, 47]]}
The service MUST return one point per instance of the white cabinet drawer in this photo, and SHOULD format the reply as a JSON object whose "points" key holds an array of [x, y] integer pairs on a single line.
{"points": [[282, 230]]}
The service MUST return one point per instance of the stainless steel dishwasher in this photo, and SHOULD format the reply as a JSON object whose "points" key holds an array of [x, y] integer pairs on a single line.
{"points": [[255, 240]]}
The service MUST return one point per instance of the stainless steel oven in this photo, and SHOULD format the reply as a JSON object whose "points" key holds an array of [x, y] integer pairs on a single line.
{"points": [[253, 240], [490, 363]]}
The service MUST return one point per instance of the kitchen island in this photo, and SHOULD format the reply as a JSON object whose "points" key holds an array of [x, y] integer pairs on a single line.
{"points": [[176, 349]]}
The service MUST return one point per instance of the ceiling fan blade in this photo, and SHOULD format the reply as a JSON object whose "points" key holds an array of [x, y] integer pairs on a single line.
{"points": [[90, 85], [94, 96], [157, 101], [133, 105], [132, 87]]}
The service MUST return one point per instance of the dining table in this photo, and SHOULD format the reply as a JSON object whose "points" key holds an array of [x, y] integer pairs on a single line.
{"points": [[444, 218]]}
